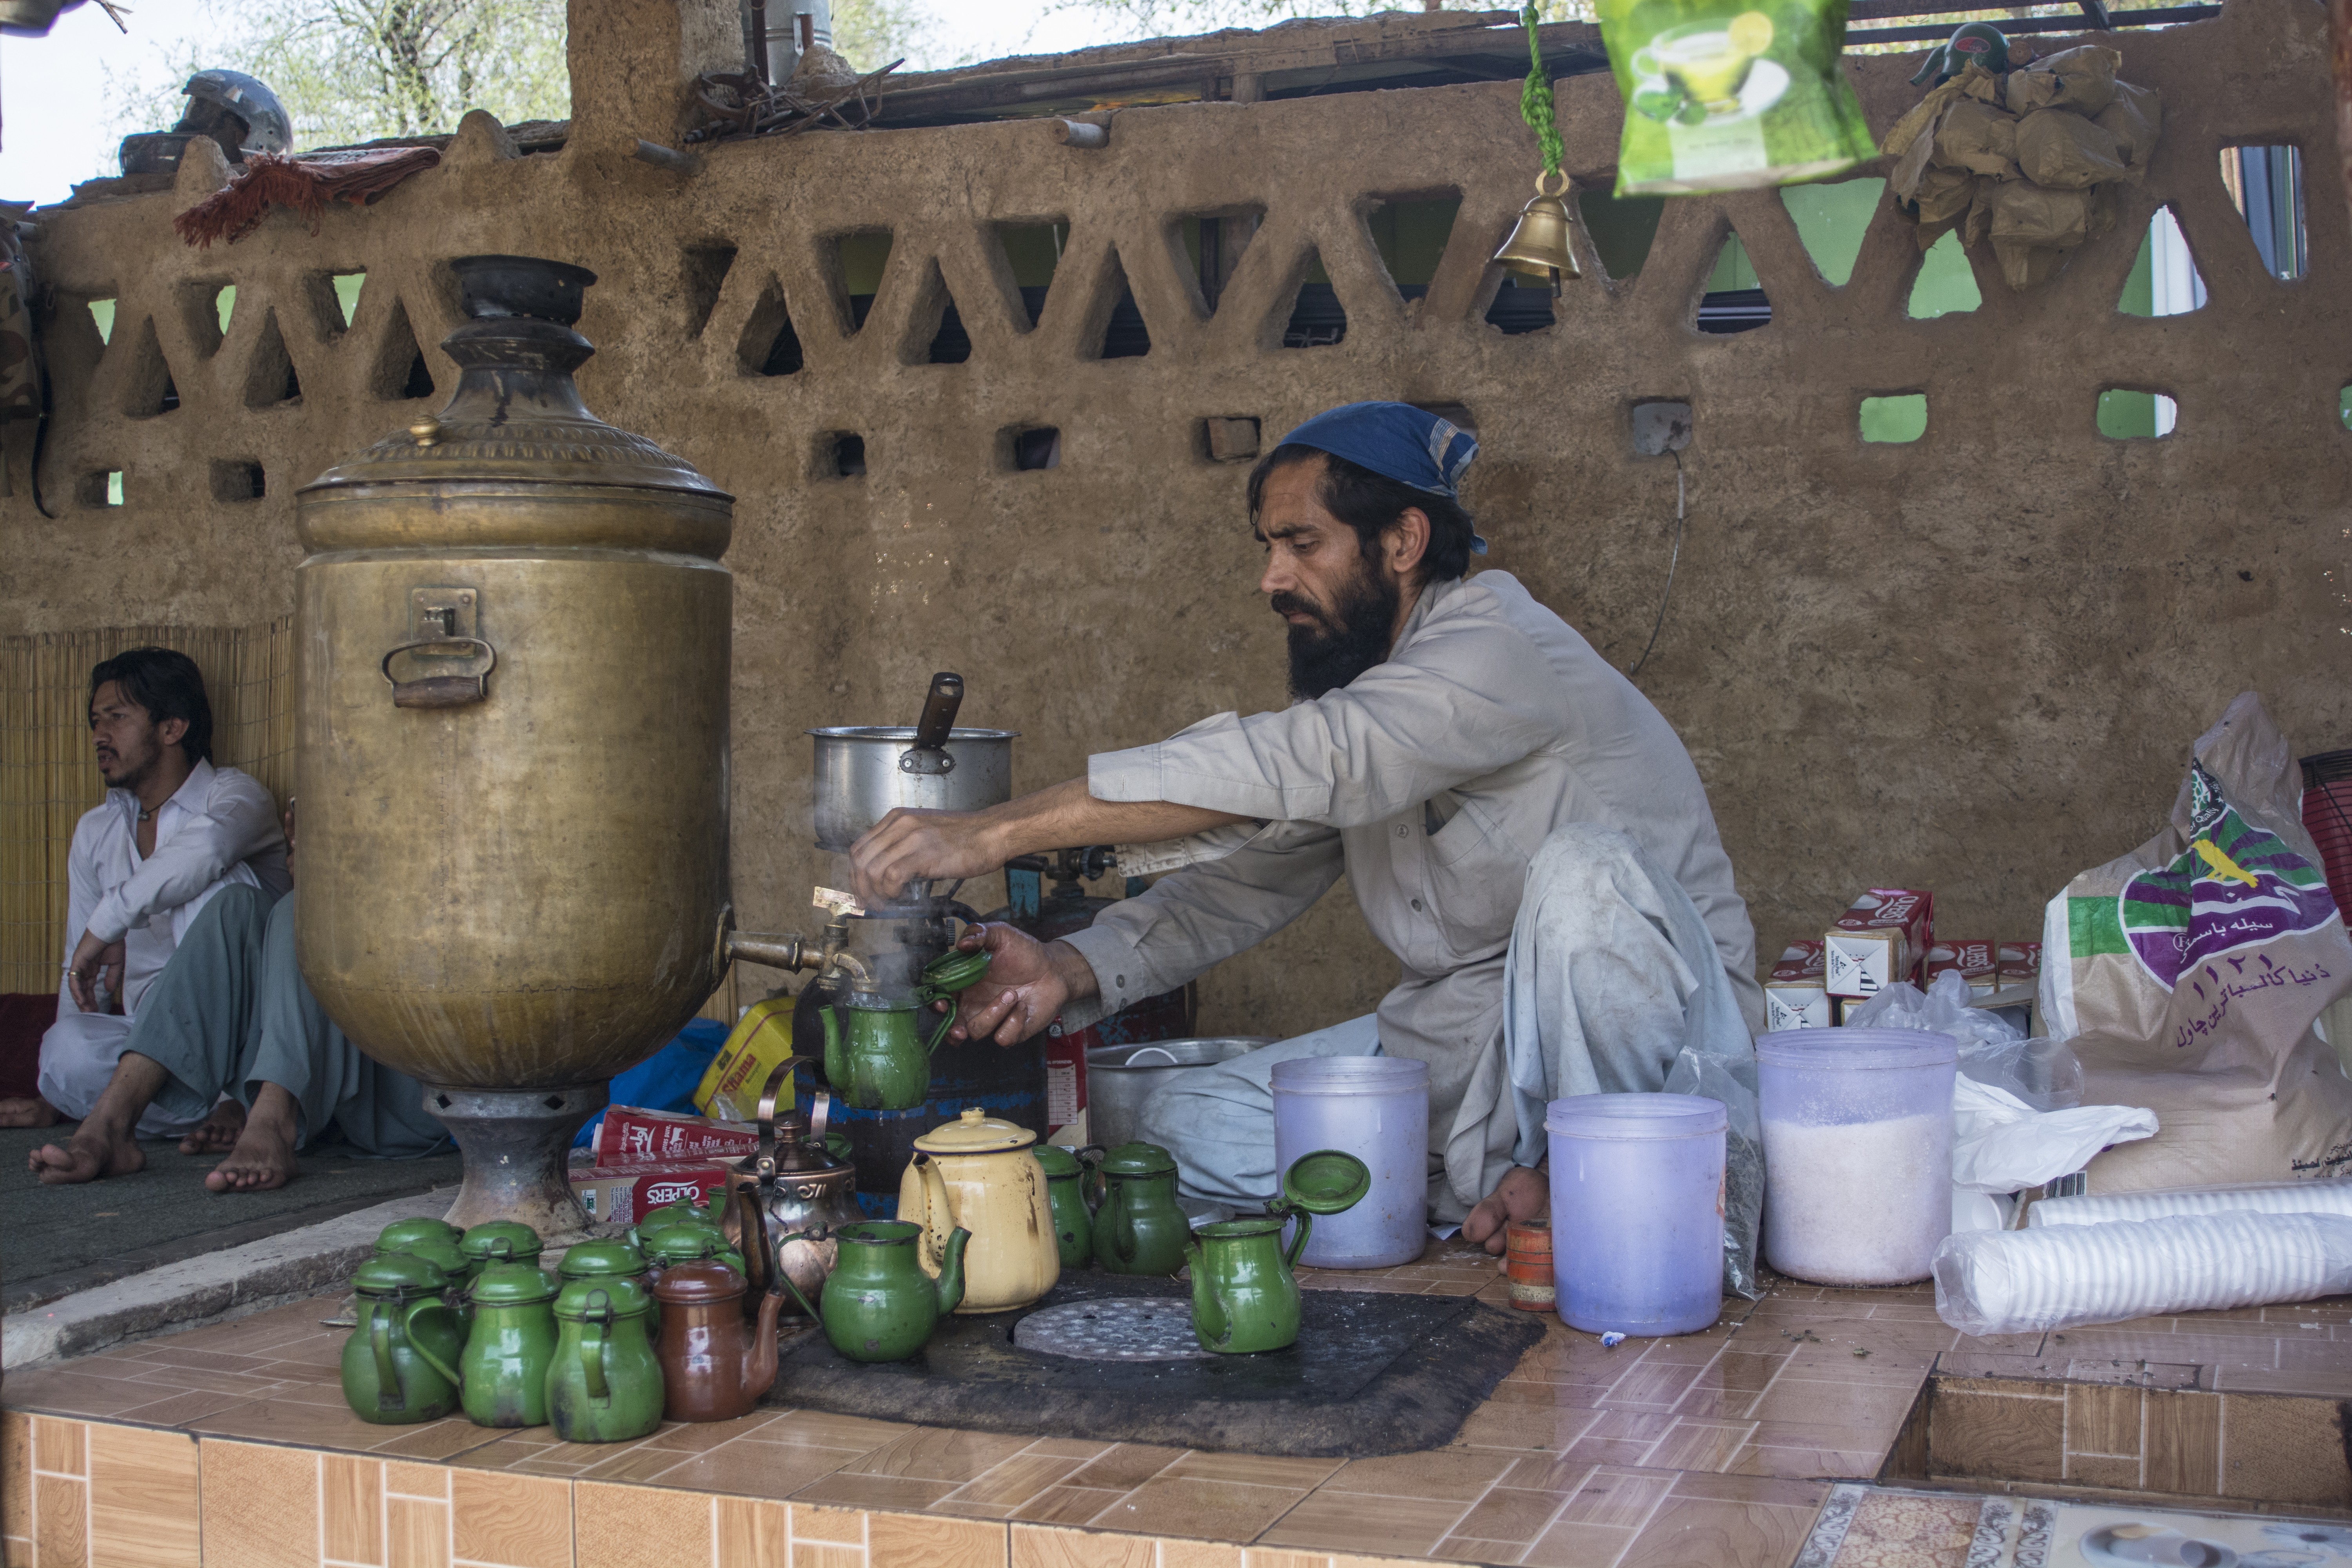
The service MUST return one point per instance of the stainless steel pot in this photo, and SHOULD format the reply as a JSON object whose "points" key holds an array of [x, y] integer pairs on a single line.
{"points": [[860, 779], [1119, 1078]]}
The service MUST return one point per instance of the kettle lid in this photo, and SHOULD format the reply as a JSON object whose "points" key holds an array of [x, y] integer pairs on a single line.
{"points": [[615, 1294], [513, 1285], [695, 1284], [684, 1244], [398, 1273], [504, 1238], [1057, 1160], [1139, 1160], [599, 1258], [403, 1234], [975, 1133]]}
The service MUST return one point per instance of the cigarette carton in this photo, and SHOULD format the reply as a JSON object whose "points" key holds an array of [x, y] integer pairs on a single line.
{"points": [[628, 1193], [2020, 964], [1879, 940], [1796, 993], [761, 1039], [632, 1135], [1977, 962]]}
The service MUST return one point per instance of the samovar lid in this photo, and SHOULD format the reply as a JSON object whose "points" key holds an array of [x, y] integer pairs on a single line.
{"points": [[516, 414]]}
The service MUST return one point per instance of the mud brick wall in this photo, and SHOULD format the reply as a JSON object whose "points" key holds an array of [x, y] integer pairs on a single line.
{"points": [[1972, 663]]}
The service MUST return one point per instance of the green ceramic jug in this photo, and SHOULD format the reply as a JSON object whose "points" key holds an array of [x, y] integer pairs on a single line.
{"points": [[605, 1385], [1066, 1195], [878, 1059], [1140, 1229], [1245, 1296], [510, 1347], [400, 1364], [434, 1240], [603, 1259], [879, 1305]]}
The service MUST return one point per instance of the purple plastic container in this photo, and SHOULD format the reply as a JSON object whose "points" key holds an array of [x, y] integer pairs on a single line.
{"points": [[1637, 1212], [1376, 1109]]}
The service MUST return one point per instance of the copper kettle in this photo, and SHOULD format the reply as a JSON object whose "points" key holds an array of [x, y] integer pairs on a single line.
{"points": [[714, 1365], [787, 1198]]}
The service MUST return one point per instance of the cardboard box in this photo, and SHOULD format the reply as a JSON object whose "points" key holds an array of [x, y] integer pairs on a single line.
{"points": [[2020, 964], [626, 1194], [632, 1135], [1881, 939], [760, 1040], [1796, 995], [1977, 963]]}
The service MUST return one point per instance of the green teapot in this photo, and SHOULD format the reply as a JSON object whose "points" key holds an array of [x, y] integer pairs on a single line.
{"points": [[711, 1214], [605, 1385], [1245, 1296], [878, 1059], [400, 1364], [879, 1305], [501, 1241], [434, 1240], [688, 1244], [510, 1345], [1138, 1229], [604, 1259], [1066, 1197]]}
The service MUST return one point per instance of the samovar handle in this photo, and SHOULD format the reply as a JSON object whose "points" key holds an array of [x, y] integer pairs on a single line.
{"points": [[443, 690], [781, 1076]]}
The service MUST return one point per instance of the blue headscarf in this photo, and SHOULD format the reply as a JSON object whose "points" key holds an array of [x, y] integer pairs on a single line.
{"points": [[1409, 445]]}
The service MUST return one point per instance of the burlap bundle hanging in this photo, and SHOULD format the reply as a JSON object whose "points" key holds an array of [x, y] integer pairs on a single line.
{"points": [[2029, 159]]}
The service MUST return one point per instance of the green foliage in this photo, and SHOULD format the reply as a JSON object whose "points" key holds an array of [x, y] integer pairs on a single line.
{"points": [[870, 33], [1149, 18]]}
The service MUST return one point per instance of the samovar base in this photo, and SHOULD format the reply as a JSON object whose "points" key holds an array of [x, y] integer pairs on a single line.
{"points": [[514, 1143]]}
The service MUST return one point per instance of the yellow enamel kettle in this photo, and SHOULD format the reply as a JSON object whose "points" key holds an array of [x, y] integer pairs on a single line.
{"points": [[977, 1172]]}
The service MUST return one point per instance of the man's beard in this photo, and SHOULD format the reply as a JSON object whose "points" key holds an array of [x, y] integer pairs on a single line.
{"points": [[1344, 641]]}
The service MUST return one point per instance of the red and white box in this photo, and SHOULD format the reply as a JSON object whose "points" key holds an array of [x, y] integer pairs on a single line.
{"points": [[2020, 964], [1879, 940], [632, 1135], [626, 1194], [1796, 993], [1975, 962]]}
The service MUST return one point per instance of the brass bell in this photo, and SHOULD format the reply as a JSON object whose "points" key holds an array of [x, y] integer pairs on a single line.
{"points": [[1538, 244]]}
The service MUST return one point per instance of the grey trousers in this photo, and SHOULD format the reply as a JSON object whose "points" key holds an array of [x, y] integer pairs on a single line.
{"points": [[230, 1012]]}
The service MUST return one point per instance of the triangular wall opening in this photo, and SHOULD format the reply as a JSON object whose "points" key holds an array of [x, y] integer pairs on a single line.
{"points": [[703, 275], [769, 345], [1410, 232], [859, 259], [1124, 335], [2164, 279], [1211, 245], [269, 376], [1621, 228], [950, 344], [1734, 300], [1946, 284], [151, 390], [1033, 253], [1318, 320], [400, 368], [1832, 220]]}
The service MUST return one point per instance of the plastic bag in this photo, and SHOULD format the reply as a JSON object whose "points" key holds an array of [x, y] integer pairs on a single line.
{"points": [[2134, 119], [1727, 95], [1978, 138], [2001, 1144], [2061, 150], [1942, 1008], [2044, 1073], [2034, 1280], [1733, 1082], [2082, 79]]}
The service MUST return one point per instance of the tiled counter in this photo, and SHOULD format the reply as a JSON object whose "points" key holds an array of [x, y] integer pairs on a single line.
{"points": [[231, 1446]]}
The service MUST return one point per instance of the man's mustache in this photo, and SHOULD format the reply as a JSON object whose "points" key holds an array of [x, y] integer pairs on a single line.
{"points": [[1288, 603]]}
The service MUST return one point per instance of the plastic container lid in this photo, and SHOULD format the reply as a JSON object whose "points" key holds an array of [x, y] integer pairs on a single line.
{"points": [[1350, 1075], [1857, 1050], [504, 1238], [592, 1259], [975, 1133], [616, 1293], [1139, 1160], [399, 1274], [694, 1284], [1636, 1116], [513, 1284]]}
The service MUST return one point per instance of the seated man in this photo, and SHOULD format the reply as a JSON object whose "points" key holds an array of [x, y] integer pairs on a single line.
{"points": [[227, 1018], [1442, 731]]}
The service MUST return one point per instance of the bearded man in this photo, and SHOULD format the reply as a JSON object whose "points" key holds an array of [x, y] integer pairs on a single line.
{"points": [[1445, 733]]}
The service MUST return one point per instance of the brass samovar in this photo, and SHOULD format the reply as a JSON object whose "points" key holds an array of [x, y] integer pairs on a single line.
{"points": [[512, 698]]}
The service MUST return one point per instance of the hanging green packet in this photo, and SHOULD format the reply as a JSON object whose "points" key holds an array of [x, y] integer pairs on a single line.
{"points": [[1729, 95]]}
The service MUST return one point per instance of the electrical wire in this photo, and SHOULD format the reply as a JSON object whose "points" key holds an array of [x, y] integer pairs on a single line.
{"points": [[1673, 561]]}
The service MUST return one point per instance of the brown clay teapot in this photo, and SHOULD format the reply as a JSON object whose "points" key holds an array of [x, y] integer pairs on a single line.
{"points": [[715, 1364]]}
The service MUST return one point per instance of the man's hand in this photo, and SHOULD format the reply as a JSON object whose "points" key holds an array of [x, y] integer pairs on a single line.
{"points": [[92, 958], [1521, 1193], [1028, 983], [912, 846]]}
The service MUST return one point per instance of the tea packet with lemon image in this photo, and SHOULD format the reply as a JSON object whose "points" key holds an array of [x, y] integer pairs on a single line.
{"points": [[1727, 95]]}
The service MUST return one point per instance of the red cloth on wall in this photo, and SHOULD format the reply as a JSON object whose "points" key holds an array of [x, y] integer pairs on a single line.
{"points": [[307, 183]]}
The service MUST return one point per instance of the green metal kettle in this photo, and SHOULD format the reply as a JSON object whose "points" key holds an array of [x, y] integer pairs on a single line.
{"points": [[879, 1060], [711, 1214], [437, 1241], [879, 1305], [399, 1365], [1139, 1228], [604, 1259], [1066, 1198], [510, 1346], [1245, 1296], [605, 1385]]}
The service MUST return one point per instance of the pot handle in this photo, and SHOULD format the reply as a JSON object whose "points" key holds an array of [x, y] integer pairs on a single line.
{"points": [[408, 1320], [443, 690], [1299, 1237], [381, 1329], [929, 753], [765, 1167], [940, 1035], [591, 1345], [938, 1218], [775, 1261]]}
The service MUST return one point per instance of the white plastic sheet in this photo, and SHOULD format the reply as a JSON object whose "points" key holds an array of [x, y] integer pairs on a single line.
{"points": [[2032, 1280], [2001, 1144]]}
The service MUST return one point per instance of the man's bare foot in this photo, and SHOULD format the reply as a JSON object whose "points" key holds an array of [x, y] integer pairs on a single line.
{"points": [[1521, 1193], [93, 1151], [32, 1112], [218, 1133], [264, 1155]]}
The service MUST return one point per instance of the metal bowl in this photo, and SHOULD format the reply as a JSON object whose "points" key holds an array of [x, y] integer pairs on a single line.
{"points": [[1119, 1078], [859, 781]]}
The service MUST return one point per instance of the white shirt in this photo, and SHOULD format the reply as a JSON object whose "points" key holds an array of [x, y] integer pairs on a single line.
{"points": [[218, 827], [1430, 780]]}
